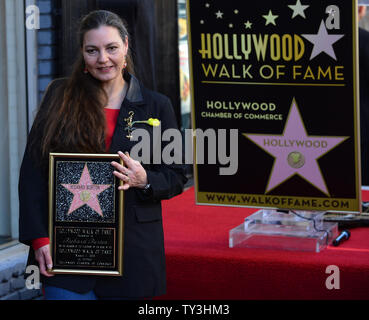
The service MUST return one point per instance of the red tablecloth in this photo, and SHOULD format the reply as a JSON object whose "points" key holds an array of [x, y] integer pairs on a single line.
{"points": [[200, 265]]}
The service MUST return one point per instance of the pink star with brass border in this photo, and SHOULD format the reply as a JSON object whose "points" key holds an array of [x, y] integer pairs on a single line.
{"points": [[85, 193]]}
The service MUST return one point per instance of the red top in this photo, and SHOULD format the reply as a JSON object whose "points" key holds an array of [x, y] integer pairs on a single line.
{"points": [[111, 116], [111, 120]]}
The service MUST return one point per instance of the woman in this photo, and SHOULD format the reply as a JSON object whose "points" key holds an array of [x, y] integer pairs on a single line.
{"points": [[87, 113]]}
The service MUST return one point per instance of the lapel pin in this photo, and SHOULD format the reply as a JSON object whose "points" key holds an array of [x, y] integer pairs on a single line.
{"points": [[130, 123]]}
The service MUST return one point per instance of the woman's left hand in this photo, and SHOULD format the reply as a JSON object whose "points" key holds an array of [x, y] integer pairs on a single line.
{"points": [[132, 173]]}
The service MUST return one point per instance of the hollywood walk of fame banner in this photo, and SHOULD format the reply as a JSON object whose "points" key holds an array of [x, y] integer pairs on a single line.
{"points": [[284, 74], [85, 214]]}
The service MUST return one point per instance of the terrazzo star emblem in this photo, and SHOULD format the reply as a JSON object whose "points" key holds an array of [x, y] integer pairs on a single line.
{"points": [[85, 192], [323, 42], [296, 152]]}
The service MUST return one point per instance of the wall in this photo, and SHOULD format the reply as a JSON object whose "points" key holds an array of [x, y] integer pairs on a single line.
{"points": [[47, 41], [12, 271]]}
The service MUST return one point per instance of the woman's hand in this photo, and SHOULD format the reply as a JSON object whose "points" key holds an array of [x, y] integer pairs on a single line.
{"points": [[44, 260], [132, 173]]}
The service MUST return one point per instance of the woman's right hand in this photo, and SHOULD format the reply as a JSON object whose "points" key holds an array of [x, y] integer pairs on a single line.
{"points": [[44, 260]]}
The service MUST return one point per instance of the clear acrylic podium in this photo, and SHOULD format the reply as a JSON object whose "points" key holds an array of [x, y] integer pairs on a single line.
{"points": [[284, 230]]}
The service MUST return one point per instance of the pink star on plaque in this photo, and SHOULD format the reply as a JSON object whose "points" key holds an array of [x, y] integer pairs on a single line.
{"points": [[296, 152], [85, 192]]}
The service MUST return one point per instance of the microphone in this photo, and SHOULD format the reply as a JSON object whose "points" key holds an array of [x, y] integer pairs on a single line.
{"points": [[345, 235]]}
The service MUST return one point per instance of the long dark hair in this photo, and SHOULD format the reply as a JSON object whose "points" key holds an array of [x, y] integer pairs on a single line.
{"points": [[75, 120]]}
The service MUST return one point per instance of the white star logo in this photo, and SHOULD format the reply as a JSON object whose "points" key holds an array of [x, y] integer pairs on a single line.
{"points": [[248, 25], [219, 14], [298, 9], [323, 42], [270, 18]]}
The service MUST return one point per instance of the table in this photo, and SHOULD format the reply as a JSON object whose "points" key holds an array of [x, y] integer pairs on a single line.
{"points": [[200, 265]]}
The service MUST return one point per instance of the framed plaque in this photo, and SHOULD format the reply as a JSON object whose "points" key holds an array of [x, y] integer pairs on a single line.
{"points": [[85, 214]]}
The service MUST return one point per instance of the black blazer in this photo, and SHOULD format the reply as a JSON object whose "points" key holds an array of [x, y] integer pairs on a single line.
{"points": [[144, 260]]}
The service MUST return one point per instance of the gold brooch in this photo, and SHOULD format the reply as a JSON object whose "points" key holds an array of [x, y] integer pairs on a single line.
{"points": [[130, 123], [129, 126]]}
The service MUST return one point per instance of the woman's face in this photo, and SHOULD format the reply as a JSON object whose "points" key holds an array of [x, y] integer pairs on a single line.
{"points": [[104, 53]]}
